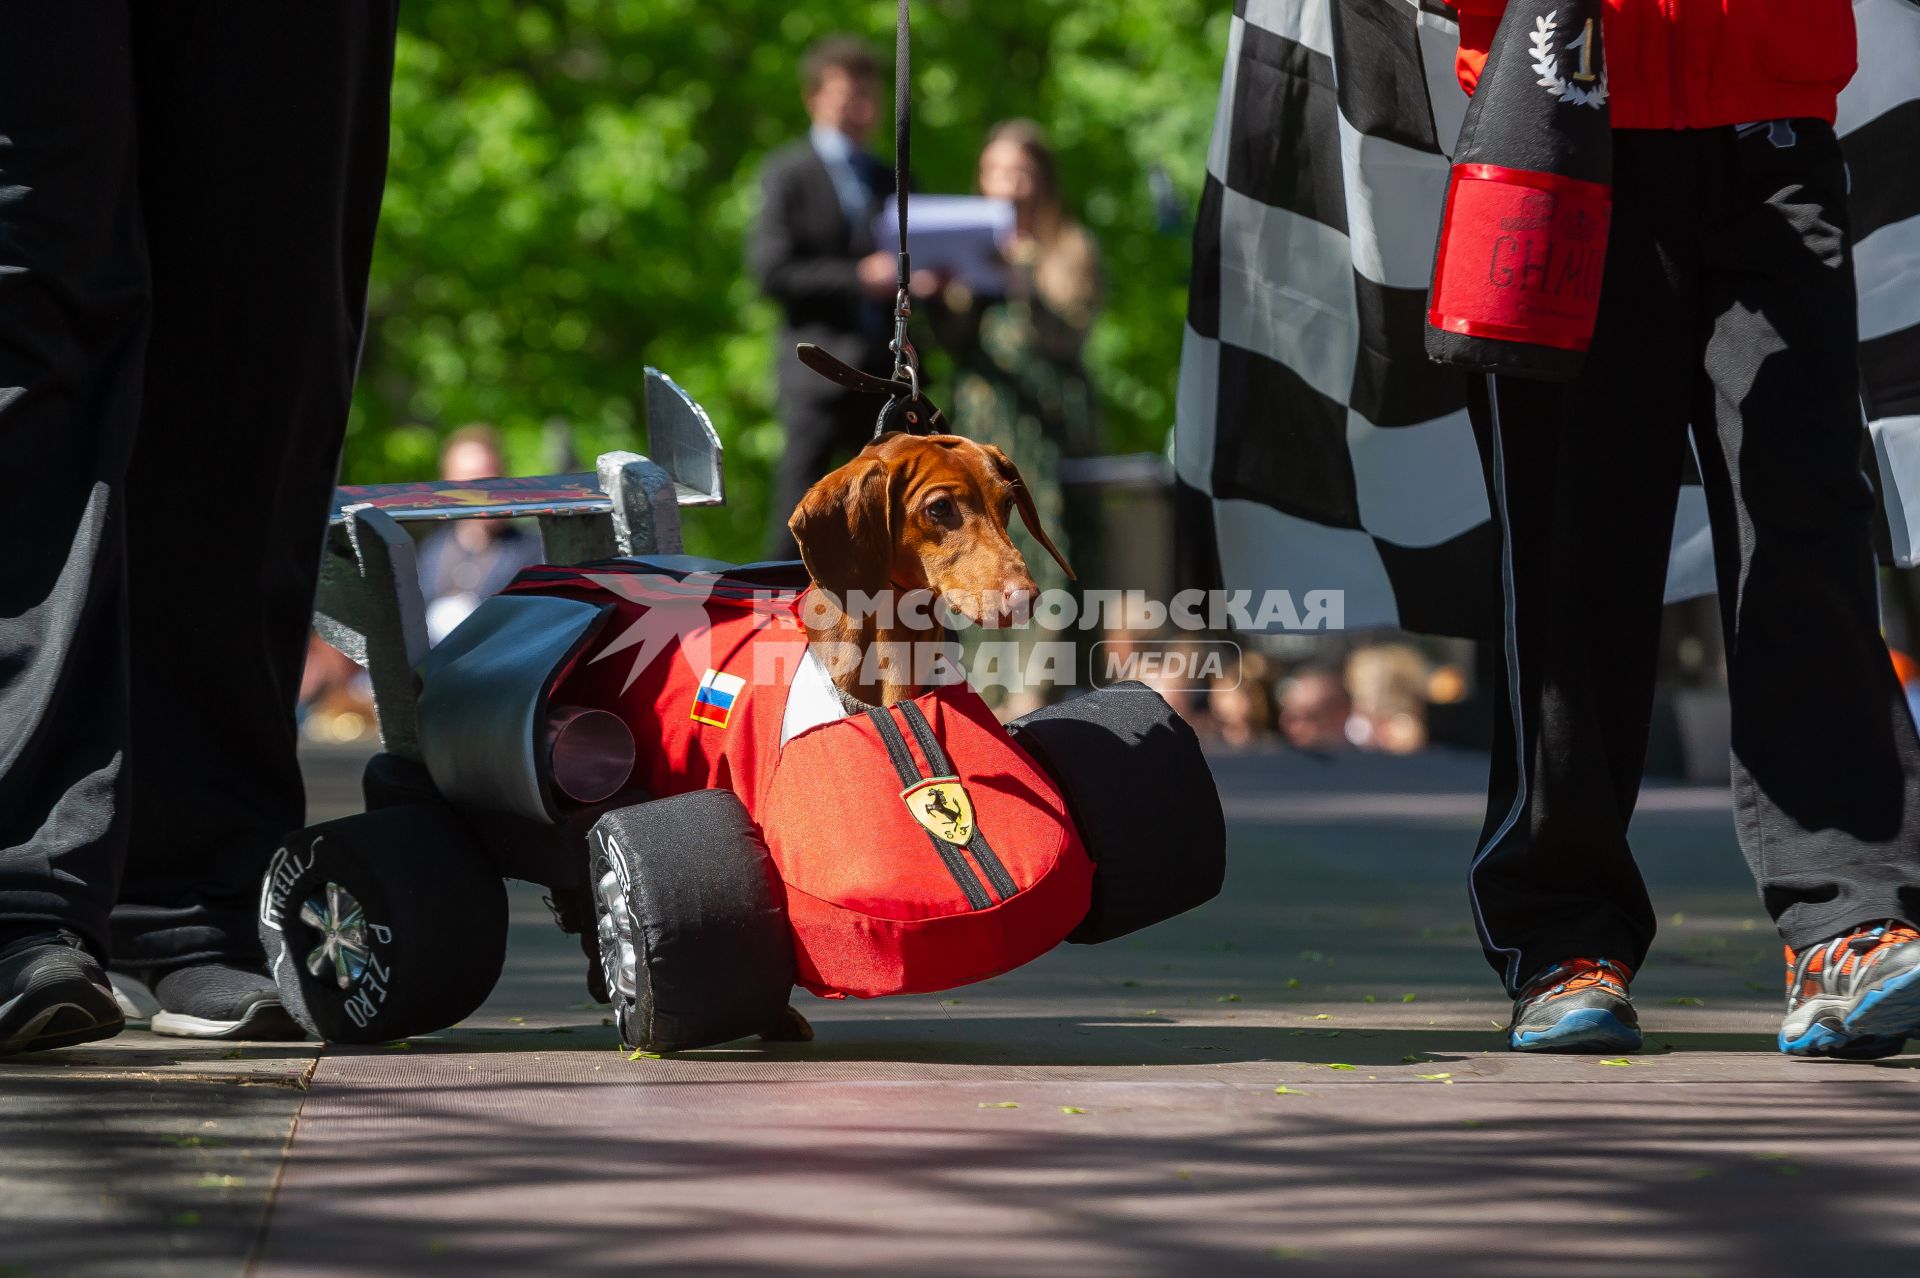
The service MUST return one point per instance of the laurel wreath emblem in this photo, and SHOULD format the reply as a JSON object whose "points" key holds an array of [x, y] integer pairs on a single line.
{"points": [[1546, 64]]}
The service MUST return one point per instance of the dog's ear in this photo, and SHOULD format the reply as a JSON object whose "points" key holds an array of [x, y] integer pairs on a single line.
{"points": [[844, 528], [1023, 500]]}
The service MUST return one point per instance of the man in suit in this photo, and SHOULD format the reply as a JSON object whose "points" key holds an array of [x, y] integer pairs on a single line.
{"points": [[813, 253]]}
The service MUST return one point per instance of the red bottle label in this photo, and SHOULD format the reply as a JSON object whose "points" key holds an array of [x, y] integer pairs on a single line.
{"points": [[1522, 256]]}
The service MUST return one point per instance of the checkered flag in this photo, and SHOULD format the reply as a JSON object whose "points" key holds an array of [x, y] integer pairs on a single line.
{"points": [[1316, 447]]}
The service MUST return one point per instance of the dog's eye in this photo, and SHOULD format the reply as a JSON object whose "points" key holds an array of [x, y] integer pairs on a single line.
{"points": [[940, 509]]}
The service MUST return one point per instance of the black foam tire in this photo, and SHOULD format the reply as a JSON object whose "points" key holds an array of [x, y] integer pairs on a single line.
{"points": [[1141, 795], [426, 947], [694, 942]]}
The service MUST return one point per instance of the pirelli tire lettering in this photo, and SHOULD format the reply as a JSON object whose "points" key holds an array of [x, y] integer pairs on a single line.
{"points": [[383, 925]]}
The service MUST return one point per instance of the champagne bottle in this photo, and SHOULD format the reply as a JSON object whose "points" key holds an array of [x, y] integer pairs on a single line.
{"points": [[1523, 241]]}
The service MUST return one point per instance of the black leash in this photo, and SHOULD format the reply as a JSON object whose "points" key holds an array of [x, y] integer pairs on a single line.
{"points": [[906, 409], [904, 365]]}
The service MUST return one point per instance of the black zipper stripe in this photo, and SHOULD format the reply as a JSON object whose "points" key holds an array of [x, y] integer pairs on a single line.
{"points": [[983, 852], [896, 746], [909, 771]]}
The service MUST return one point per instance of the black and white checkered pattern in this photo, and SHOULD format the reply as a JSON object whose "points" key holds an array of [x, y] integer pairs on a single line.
{"points": [[1317, 441]]}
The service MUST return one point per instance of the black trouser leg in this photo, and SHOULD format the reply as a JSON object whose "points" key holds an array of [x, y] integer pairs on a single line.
{"points": [[1826, 769], [820, 435], [263, 145], [73, 325], [1583, 481]]}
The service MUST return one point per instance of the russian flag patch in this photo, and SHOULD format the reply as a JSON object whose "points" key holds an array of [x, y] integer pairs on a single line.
{"points": [[713, 702]]}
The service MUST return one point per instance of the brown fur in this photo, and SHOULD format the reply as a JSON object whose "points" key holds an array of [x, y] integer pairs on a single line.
{"points": [[914, 513]]}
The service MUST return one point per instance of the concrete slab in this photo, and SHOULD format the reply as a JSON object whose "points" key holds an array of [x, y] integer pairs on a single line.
{"points": [[139, 1171], [437, 1164]]}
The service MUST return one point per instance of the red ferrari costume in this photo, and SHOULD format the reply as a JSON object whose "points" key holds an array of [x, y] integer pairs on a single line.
{"points": [[1698, 64], [919, 847]]}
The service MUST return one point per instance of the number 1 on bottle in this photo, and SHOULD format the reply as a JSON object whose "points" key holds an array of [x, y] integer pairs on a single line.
{"points": [[1585, 44]]}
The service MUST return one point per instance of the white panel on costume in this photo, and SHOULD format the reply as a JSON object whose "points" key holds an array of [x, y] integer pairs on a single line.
{"points": [[1286, 291], [1223, 114], [1264, 549], [1418, 485], [1690, 569], [1196, 409], [811, 700], [1394, 198], [1886, 266], [1896, 442], [1308, 22]]}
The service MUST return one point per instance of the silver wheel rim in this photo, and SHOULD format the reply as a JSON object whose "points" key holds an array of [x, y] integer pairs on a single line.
{"points": [[619, 957], [343, 951]]}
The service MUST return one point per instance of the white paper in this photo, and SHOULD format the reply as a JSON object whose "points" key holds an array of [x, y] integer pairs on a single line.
{"points": [[959, 235]]}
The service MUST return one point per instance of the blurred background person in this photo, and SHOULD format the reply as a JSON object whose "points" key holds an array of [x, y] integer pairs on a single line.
{"points": [[812, 252], [1019, 382], [1314, 710], [467, 560], [1388, 683], [1241, 701]]}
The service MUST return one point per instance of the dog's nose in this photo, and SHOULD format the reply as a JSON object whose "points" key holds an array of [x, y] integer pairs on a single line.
{"points": [[1016, 597]]}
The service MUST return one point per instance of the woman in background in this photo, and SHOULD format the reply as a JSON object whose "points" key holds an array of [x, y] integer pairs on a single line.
{"points": [[1019, 382]]}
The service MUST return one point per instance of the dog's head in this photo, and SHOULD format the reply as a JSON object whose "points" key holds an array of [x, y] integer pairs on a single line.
{"points": [[923, 512]]}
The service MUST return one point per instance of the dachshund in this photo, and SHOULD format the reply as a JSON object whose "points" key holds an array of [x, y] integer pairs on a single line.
{"points": [[911, 513]]}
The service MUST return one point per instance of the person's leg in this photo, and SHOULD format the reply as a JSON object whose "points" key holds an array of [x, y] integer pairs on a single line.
{"points": [[263, 153], [1583, 480], [1826, 766], [73, 328], [820, 434]]}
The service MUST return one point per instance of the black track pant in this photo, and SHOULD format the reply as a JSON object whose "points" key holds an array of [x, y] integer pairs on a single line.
{"points": [[820, 435], [188, 195], [1728, 306]]}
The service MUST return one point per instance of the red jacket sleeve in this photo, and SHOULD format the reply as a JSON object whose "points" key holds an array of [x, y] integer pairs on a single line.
{"points": [[1478, 19]]}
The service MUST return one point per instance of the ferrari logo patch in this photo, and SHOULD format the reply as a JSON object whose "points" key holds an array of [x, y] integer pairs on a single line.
{"points": [[942, 806]]}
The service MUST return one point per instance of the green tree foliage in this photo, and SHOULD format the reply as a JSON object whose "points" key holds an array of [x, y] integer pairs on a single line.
{"points": [[571, 182]]}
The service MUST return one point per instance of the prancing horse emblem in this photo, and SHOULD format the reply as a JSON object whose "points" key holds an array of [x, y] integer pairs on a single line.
{"points": [[942, 806]]}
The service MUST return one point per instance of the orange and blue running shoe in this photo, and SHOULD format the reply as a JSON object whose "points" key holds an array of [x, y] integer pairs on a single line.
{"points": [[1581, 1005], [1855, 997]]}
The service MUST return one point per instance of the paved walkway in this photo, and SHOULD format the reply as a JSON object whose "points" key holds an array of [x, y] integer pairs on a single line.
{"points": [[1305, 1076]]}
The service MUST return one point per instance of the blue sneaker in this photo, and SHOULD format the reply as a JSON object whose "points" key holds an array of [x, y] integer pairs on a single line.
{"points": [[1855, 997], [1580, 1006]]}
